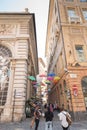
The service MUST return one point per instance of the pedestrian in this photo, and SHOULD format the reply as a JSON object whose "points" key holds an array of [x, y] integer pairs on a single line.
{"points": [[48, 119], [37, 115], [62, 117]]}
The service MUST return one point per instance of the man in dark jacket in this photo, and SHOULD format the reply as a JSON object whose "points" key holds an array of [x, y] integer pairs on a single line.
{"points": [[48, 118]]}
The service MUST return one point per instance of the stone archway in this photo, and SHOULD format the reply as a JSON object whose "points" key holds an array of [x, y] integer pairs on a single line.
{"points": [[84, 88], [5, 54]]}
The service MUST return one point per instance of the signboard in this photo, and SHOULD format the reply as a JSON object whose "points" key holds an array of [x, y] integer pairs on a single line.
{"points": [[73, 75]]}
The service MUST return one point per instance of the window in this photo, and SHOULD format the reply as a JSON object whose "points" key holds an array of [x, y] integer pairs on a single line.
{"points": [[80, 53], [83, 0], [71, 12], [85, 14]]}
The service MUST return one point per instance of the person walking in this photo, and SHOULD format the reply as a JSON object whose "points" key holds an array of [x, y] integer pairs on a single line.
{"points": [[37, 115], [63, 118], [49, 119]]}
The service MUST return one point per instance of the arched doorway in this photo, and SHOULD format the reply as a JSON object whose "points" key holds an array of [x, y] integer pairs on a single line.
{"points": [[84, 88], [5, 54]]}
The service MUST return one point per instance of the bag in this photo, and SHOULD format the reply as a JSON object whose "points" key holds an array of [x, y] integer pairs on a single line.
{"points": [[69, 120]]}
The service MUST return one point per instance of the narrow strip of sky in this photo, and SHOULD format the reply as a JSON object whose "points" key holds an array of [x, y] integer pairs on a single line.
{"points": [[40, 8]]}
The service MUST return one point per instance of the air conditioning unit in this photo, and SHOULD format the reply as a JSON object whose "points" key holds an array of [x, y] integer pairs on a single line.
{"points": [[74, 19]]}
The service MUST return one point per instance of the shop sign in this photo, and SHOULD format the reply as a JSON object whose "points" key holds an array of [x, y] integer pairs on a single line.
{"points": [[75, 90], [73, 75]]}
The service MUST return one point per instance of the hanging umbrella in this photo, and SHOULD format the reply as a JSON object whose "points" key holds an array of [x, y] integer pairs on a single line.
{"points": [[51, 74], [49, 89], [42, 75], [56, 78], [34, 83], [47, 82], [55, 81], [49, 78], [32, 78]]}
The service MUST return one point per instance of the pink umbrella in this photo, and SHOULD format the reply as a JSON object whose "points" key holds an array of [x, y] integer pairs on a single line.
{"points": [[34, 83], [42, 75], [49, 78]]}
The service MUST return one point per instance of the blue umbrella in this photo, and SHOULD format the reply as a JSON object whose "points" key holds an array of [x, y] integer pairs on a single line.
{"points": [[51, 74]]}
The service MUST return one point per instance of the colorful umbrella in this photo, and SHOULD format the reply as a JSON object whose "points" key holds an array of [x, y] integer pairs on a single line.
{"points": [[42, 75], [56, 78], [55, 81], [49, 78], [32, 78], [51, 74], [47, 82], [49, 89], [34, 83]]}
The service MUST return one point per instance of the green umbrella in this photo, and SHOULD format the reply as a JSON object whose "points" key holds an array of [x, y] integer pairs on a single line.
{"points": [[32, 78]]}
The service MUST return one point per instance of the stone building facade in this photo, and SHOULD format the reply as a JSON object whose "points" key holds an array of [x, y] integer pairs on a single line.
{"points": [[66, 52], [18, 60]]}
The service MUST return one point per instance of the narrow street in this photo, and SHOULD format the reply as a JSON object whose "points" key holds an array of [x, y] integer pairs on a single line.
{"points": [[25, 125]]}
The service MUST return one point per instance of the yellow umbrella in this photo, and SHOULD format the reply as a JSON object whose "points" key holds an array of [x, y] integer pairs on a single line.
{"points": [[56, 78]]}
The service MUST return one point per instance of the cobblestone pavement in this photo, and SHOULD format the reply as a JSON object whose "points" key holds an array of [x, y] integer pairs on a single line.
{"points": [[25, 125]]}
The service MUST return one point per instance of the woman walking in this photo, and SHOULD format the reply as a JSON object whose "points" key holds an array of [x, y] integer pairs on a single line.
{"points": [[63, 118]]}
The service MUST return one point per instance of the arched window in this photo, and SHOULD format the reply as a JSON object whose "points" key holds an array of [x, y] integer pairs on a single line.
{"points": [[5, 53], [84, 88]]}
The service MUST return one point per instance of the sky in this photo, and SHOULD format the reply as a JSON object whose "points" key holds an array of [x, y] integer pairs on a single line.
{"points": [[40, 8]]}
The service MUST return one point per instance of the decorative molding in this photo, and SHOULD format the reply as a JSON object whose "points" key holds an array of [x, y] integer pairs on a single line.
{"points": [[6, 29]]}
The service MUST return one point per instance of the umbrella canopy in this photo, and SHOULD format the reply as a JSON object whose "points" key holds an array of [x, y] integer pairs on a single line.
{"points": [[47, 82], [49, 78], [56, 78], [34, 82], [51, 74], [32, 78], [42, 75]]}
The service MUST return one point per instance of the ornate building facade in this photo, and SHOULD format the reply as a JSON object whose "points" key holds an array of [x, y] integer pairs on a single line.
{"points": [[18, 60], [66, 52]]}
